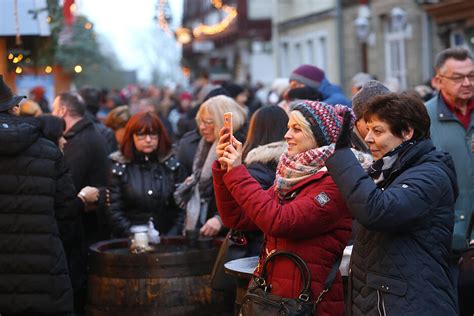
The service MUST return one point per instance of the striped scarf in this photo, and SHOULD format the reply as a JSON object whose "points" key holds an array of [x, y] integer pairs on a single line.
{"points": [[292, 170]]}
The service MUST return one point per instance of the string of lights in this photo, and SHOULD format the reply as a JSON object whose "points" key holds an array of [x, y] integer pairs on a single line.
{"points": [[218, 27], [162, 18]]}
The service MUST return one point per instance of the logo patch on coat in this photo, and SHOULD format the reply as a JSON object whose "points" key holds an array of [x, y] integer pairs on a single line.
{"points": [[322, 198]]}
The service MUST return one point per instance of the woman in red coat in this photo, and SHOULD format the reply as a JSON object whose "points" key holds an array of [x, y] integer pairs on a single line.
{"points": [[303, 212]]}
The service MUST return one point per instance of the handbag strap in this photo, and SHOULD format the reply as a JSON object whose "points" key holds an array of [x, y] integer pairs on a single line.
{"points": [[329, 280], [300, 264]]}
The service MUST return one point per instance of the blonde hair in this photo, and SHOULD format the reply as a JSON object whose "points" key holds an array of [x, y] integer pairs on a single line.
{"points": [[305, 126], [217, 106]]}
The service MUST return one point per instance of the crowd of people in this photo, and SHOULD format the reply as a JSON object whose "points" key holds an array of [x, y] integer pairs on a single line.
{"points": [[305, 169]]}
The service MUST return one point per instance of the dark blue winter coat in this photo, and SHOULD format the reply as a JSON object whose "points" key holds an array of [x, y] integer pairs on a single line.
{"points": [[399, 260], [333, 94]]}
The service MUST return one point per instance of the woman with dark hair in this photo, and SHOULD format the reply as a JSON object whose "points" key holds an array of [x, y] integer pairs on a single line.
{"points": [[144, 174], [53, 129], [399, 263], [265, 143]]}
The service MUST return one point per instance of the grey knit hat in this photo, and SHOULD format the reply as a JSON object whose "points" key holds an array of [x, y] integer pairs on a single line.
{"points": [[368, 90]]}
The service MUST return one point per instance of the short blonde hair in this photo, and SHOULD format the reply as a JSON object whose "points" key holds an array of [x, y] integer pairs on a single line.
{"points": [[217, 106], [305, 126]]}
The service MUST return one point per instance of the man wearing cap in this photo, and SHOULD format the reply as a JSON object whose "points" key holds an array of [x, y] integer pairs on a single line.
{"points": [[34, 277], [312, 76]]}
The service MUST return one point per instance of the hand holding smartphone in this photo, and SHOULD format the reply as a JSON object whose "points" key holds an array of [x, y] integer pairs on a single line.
{"points": [[228, 123]]}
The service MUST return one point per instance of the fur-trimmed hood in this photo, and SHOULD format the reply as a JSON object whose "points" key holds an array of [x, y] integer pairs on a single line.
{"points": [[266, 153]]}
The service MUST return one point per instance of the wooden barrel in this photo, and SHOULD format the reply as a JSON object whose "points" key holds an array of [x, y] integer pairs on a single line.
{"points": [[173, 279]]}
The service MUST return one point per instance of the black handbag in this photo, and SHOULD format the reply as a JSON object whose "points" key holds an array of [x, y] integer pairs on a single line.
{"points": [[260, 302]]}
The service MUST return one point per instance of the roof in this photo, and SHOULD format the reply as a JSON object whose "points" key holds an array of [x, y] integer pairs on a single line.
{"points": [[31, 19]]}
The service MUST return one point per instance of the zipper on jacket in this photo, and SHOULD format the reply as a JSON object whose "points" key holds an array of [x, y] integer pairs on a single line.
{"points": [[381, 304]]}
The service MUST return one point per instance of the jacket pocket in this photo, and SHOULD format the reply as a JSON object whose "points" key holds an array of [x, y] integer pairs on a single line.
{"points": [[386, 284]]}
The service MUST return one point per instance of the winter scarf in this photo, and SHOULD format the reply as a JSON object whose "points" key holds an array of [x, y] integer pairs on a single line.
{"points": [[292, 170], [381, 169], [196, 207]]}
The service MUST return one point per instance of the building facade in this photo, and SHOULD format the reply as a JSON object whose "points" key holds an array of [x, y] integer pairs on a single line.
{"points": [[307, 32], [231, 40]]}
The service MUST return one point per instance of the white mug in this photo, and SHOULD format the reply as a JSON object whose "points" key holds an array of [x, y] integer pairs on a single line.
{"points": [[141, 240]]}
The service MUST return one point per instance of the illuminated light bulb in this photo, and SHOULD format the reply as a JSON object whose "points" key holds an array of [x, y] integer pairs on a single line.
{"points": [[73, 8], [10, 56], [18, 70], [28, 60], [48, 69], [49, 19], [15, 60], [78, 68], [20, 57], [88, 26]]}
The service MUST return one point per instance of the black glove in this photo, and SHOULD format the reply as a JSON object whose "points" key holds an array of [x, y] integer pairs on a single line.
{"points": [[344, 139]]}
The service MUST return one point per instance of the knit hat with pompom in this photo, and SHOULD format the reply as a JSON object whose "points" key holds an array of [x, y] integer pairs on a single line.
{"points": [[325, 120]]}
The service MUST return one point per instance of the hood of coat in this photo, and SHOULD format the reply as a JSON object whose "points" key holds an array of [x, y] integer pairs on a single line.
{"points": [[17, 134], [448, 167], [270, 152], [425, 151]]}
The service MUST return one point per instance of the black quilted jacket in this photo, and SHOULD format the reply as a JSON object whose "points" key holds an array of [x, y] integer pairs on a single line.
{"points": [[142, 189], [34, 199], [399, 260]]}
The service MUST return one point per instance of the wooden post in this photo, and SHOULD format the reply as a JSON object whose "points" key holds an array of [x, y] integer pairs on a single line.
{"points": [[3, 55]]}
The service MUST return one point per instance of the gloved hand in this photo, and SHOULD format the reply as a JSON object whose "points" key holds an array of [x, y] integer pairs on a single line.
{"points": [[344, 139]]}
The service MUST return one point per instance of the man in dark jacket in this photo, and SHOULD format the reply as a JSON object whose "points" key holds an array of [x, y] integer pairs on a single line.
{"points": [[34, 277], [86, 156]]}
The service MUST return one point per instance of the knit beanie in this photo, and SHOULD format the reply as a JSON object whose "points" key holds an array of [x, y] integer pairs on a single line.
{"points": [[368, 90], [325, 120], [308, 75]]}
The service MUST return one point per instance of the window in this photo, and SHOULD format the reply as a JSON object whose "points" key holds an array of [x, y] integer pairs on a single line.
{"points": [[395, 55]]}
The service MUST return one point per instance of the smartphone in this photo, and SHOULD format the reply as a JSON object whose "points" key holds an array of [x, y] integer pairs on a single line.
{"points": [[228, 123]]}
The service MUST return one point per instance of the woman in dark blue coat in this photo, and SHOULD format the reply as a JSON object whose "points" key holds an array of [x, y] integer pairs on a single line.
{"points": [[405, 208]]}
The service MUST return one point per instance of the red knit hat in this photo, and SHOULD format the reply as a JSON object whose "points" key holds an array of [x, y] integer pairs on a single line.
{"points": [[308, 75], [325, 120], [186, 96]]}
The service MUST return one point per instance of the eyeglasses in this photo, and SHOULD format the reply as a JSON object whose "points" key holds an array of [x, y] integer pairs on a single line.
{"points": [[142, 136], [459, 78], [206, 123]]}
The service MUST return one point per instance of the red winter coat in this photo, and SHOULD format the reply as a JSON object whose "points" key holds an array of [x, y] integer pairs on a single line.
{"points": [[317, 231]]}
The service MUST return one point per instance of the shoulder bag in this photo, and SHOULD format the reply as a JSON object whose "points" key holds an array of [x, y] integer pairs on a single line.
{"points": [[260, 302]]}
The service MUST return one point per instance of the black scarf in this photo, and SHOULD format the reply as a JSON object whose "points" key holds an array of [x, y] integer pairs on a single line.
{"points": [[381, 169]]}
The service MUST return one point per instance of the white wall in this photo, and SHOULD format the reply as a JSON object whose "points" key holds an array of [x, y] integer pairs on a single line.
{"points": [[261, 68], [259, 9], [310, 44], [291, 9]]}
